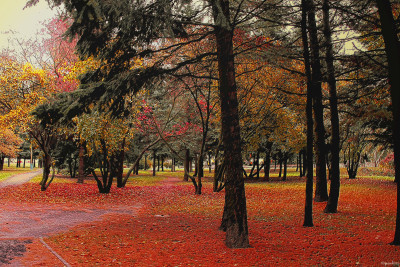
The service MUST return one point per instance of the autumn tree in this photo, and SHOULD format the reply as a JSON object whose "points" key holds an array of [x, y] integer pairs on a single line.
{"points": [[9, 144]]}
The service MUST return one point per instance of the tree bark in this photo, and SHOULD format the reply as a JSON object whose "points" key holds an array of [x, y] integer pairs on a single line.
{"points": [[81, 175], [334, 173], [154, 162], [186, 165], [1, 162], [308, 209], [392, 49], [267, 165], [321, 186], [235, 212]]}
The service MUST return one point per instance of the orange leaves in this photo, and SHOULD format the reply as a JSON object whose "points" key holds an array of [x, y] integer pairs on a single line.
{"points": [[166, 224]]}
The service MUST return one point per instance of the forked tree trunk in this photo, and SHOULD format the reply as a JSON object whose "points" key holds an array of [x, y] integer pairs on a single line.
{"points": [[321, 189], [235, 213]]}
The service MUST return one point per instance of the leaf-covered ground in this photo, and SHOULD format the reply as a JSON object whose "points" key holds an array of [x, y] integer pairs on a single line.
{"points": [[174, 227]]}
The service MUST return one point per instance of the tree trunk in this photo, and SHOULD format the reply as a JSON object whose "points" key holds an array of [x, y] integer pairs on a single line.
{"points": [[1, 162], [285, 160], [186, 165], [154, 162], [267, 165], [81, 175], [120, 167], [44, 183], [334, 173], [321, 187], [235, 212], [301, 163], [308, 209], [392, 49]]}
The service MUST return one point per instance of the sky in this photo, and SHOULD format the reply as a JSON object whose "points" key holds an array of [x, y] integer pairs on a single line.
{"points": [[16, 22]]}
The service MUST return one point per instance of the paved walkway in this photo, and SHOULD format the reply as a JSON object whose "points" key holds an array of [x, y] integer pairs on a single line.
{"points": [[19, 179]]}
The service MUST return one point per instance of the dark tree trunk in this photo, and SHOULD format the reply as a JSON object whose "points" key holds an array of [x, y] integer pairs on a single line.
{"points": [[8, 159], [209, 162], [334, 173], [186, 165], [120, 168], [45, 182], [392, 49], [280, 165], [308, 210], [24, 162], [301, 159], [1, 163], [235, 212], [321, 187], [154, 162], [81, 168], [200, 173], [267, 165], [285, 160]]}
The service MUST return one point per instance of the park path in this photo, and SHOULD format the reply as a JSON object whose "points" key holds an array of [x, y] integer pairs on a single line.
{"points": [[19, 179]]}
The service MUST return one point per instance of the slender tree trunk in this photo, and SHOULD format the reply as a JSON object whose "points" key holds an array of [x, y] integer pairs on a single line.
{"points": [[308, 209], [81, 175], [321, 187], [186, 165], [285, 160], [154, 162], [301, 163], [267, 165], [334, 172], [235, 212]]}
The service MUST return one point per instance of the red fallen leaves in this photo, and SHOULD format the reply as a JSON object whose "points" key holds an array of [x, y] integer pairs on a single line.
{"points": [[177, 228]]}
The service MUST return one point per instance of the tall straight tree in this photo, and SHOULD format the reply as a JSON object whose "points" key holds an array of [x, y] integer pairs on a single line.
{"points": [[308, 210], [321, 189], [392, 49], [235, 213], [334, 174]]}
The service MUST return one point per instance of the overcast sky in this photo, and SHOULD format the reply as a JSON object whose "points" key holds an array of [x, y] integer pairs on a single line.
{"points": [[16, 22]]}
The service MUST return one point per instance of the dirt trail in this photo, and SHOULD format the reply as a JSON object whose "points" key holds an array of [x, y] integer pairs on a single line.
{"points": [[22, 223], [19, 179]]}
